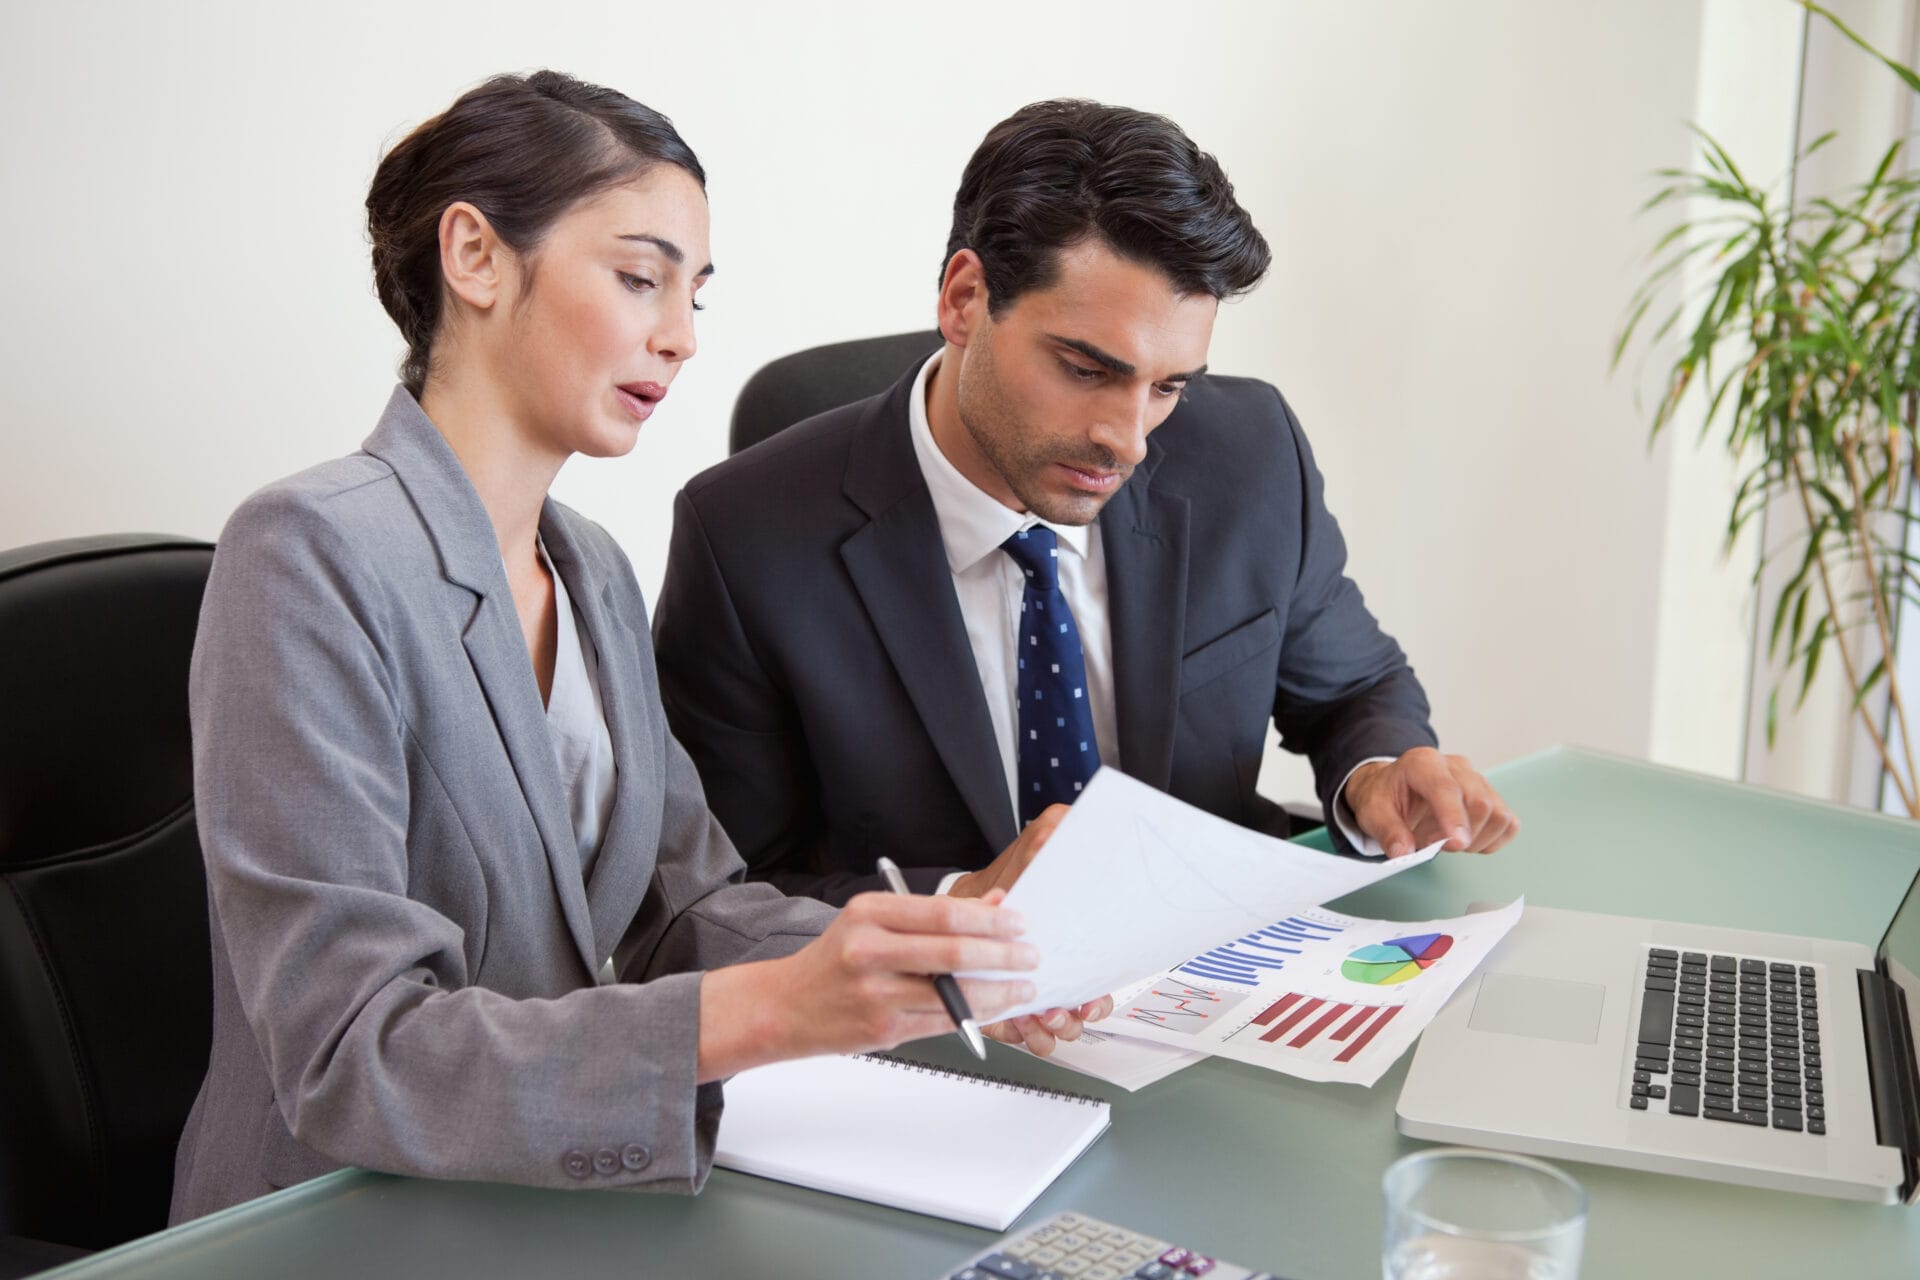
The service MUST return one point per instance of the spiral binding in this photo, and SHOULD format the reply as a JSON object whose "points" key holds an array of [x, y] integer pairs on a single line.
{"points": [[978, 1077]]}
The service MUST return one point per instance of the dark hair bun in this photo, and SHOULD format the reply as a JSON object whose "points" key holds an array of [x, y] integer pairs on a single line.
{"points": [[521, 149]]}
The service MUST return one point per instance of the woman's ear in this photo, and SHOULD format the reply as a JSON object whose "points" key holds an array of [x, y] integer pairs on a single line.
{"points": [[473, 258]]}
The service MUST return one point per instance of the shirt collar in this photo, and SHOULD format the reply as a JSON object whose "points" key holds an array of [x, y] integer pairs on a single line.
{"points": [[973, 523]]}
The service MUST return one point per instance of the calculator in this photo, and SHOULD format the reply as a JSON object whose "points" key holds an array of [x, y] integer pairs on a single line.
{"points": [[1073, 1246]]}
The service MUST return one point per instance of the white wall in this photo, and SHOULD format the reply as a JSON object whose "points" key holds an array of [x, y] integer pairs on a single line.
{"points": [[1449, 188]]}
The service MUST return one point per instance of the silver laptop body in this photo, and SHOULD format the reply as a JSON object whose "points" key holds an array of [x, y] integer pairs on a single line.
{"points": [[1542, 1051]]}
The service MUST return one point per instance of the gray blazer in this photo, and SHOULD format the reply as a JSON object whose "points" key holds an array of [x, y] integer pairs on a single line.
{"points": [[407, 965]]}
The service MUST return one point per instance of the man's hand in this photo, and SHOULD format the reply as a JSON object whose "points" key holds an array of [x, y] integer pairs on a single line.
{"points": [[1422, 797], [1005, 869], [1039, 1031]]}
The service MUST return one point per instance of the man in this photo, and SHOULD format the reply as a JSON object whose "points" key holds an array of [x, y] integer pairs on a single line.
{"points": [[909, 625]]}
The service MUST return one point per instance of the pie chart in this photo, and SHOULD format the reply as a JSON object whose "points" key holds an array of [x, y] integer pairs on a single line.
{"points": [[1382, 964]]}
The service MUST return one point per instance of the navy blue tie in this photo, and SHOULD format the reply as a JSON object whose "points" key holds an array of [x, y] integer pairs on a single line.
{"points": [[1056, 751]]}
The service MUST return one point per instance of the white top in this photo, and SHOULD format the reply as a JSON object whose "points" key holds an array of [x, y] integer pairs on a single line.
{"points": [[989, 586], [577, 723]]}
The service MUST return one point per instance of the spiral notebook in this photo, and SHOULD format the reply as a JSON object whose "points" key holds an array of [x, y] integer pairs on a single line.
{"points": [[948, 1143]]}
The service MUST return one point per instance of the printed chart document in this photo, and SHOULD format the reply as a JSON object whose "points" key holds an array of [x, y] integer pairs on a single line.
{"points": [[1319, 995], [1134, 881], [1125, 1060], [896, 1132]]}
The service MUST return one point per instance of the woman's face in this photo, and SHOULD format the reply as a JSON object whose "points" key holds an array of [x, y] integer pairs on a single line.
{"points": [[601, 316]]}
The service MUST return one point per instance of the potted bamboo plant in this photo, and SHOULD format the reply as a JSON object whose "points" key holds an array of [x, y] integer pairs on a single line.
{"points": [[1804, 332]]}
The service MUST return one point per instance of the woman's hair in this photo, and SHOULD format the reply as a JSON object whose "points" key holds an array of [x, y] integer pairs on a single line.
{"points": [[1056, 173], [521, 149]]}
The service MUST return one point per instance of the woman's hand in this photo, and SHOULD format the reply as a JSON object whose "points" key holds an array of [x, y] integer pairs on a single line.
{"points": [[863, 984], [1038, 1032]]}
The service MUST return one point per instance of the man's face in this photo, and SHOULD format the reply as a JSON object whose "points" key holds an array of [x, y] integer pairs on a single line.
{"points": [[1058, 394]]}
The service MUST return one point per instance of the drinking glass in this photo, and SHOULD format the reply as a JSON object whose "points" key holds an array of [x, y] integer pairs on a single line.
{"points": [[1453, 1212]]}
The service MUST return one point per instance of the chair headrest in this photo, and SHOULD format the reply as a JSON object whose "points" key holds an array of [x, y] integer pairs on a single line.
{"points": [[796, 387], [96, 635]]}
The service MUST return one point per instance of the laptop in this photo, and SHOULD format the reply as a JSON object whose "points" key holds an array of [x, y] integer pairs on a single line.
{"points": [[1755, 1058]]}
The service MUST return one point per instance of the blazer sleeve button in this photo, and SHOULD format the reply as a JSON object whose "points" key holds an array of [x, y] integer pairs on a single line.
{"points": [[576, 1164], [606, 1161], [634, 1157]]}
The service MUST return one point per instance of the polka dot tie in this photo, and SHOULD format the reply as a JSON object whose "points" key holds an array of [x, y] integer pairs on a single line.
{"points": [[1056, 753]]}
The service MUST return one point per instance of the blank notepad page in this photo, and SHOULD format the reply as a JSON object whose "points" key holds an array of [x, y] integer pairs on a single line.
{"points": [[951, 1144]]}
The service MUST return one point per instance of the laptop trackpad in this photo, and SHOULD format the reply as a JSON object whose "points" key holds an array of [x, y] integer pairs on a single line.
{"points": [[1547, 1008]]}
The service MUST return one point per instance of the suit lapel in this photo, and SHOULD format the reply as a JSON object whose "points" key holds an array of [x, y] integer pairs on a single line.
{"points": [[407, 441], [1143, 534], [620, 878], [901, 572]]}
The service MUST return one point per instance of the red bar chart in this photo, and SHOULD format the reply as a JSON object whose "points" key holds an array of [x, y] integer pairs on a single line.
{"points": [[1296, 1021]]}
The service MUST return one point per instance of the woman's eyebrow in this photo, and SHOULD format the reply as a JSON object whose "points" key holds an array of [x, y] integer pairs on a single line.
{"points": [[675, 254]]}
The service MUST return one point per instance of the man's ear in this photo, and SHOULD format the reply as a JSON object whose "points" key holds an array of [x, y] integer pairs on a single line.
{"points": [[963, 298], [473, 258]]}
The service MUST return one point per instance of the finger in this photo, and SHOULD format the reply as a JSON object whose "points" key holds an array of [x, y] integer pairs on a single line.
{"points": [[1004, 1032], [1443, 794], [1095, 1010], [1069, 1027], [989, 998], [871, 949], [994, 897], [1039, 1039], [1499, 841], [1385, 824], [1041, 829], [922, 914]]}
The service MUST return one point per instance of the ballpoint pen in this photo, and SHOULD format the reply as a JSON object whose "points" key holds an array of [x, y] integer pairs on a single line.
{"points": [[942, 982]]}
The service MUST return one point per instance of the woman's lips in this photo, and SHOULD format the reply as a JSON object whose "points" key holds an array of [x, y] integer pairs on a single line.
{"points": [[638, 398]]}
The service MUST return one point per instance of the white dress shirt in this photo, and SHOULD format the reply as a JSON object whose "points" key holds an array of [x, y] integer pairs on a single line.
{"points": [[577, 724], [989, 586]]}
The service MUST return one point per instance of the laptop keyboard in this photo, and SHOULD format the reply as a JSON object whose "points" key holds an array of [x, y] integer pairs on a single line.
{"points": [[1730, 1038]]}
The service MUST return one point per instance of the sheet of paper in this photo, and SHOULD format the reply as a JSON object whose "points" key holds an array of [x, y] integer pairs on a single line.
{"points": [[1127, 1061], [1133, 881], [1319, 995]]}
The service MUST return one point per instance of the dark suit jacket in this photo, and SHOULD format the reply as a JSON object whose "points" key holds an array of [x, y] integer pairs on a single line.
{"points": [[814, 663]]}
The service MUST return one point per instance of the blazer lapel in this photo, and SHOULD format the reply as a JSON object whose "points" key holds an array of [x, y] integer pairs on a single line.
{"points": [[901, 573], [407, 441], [624, 867], [1143, 533]]}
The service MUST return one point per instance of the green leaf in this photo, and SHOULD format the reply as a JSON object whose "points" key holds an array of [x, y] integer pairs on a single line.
{"points": [[1626, 333], [1905, 73], [1773, 717], [1866, 685], [1815, 647]]}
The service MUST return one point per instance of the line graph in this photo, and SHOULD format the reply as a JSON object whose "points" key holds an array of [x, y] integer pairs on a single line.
{"points": [[1182, 1007]]}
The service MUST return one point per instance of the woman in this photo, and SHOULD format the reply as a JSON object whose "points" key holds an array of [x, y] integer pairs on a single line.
{"points": [[470, 911]]}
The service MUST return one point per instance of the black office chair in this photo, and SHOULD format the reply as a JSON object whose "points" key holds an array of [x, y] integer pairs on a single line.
{"points": [[106, 999], [794, 388]]}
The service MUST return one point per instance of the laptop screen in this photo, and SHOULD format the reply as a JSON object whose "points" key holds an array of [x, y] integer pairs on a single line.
{"points": [[1900, 951]]}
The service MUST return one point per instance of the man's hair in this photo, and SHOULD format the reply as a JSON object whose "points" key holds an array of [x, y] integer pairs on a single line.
{"points": [[1057, 173]]}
